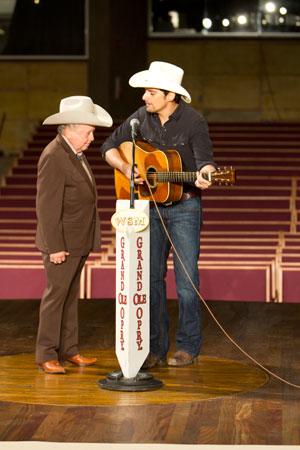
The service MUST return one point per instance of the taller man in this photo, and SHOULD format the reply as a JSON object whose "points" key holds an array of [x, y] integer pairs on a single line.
{"points": [[167, 122]]}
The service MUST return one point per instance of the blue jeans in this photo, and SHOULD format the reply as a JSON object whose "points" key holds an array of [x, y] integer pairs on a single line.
{"points": [[183, 222]]}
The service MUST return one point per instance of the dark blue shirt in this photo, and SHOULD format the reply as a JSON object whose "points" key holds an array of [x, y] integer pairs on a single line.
{"points": [[186, 131]]}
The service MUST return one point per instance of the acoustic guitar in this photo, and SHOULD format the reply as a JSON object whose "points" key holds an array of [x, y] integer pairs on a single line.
{"points": [[163, 172]]}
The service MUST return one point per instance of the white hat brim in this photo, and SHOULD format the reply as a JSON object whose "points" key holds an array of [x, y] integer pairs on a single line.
{"points": [[101, 118], [145, 79]]}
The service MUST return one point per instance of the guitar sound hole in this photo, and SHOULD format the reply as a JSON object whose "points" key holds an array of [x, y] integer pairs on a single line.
{"points": [[152, 177]]}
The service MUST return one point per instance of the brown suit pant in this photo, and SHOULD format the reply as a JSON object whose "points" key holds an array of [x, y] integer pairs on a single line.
{"points": [[57, 336]]}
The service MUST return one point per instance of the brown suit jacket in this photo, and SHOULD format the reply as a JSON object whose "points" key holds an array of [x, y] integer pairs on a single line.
{"points": [[66, 203]]}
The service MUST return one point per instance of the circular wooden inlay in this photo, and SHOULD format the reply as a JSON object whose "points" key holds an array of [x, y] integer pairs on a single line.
{"points": [[209, 377]]}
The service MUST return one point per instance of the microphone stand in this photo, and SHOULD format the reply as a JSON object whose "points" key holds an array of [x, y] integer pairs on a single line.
{"points": [[133, 134], [140, 381]]}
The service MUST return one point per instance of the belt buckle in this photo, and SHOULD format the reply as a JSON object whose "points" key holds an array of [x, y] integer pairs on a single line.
{"points": [[168, 204]]}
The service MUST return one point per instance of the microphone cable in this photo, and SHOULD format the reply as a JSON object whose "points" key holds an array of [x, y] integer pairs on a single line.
{"points": [[244, 352]]}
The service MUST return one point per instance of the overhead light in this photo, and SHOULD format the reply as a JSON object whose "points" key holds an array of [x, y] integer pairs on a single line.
{"points": [[242, 19], [174, 16], [283, 10], [270, 7], [225, 23], [207, 23], [281, 20], [36, 2]]}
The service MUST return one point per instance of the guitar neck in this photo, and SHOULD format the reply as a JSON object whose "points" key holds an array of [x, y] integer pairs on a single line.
{"points": [[173, 177]]}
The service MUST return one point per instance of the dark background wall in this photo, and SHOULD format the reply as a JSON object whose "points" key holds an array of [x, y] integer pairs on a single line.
{"points": [[118, 48], [229, 79]]}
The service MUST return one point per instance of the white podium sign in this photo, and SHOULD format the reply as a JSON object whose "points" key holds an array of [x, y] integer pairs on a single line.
{"points": [[132, 284]]}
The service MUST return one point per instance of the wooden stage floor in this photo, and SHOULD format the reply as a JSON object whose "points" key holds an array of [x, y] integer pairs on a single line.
{"points": [[222, 399]]}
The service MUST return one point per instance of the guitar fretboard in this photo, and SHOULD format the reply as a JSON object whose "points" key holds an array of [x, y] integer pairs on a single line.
{"points": [[172, 177]]}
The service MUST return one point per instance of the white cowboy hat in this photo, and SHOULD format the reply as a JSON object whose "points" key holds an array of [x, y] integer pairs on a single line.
{"points": [[79, 109], [161, 75]]}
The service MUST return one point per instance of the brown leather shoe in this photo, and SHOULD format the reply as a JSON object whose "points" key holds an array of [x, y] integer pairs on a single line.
{"points": [[81, 361], [180, 359], [52, 366], [153, 361]]}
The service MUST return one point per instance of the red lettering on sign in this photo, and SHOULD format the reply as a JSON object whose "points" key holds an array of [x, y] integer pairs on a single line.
{"points": [[139, 313], [139, 274], [122, 299], [122, 257], [139, 299], [139, 340], [122, 340]]}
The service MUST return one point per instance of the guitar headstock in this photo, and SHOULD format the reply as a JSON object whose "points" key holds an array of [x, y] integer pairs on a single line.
{"points": [[223, 176]]}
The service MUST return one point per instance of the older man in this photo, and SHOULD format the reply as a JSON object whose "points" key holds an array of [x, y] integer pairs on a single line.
{"points": [[67, 228]]}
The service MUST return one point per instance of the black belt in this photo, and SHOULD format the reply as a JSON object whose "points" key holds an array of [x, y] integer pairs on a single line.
{"points": [[185, 196]]}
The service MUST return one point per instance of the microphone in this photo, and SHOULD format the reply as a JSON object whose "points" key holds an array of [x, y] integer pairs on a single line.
{"points": [[134, 123]]}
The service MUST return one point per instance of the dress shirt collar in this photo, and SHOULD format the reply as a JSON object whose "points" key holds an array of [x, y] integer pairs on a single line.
{"points": [[178, 111], [78, 154], [176, 114]]}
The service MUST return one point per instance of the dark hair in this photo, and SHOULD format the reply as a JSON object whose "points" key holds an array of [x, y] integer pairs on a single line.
{"points": [[177, 96]]}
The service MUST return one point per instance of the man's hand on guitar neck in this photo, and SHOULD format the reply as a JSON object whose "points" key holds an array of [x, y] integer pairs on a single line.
{"points": [[201, 182]]}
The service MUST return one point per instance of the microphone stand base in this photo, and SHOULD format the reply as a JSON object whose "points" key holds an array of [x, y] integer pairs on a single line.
{"points": [[143, 381]]}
